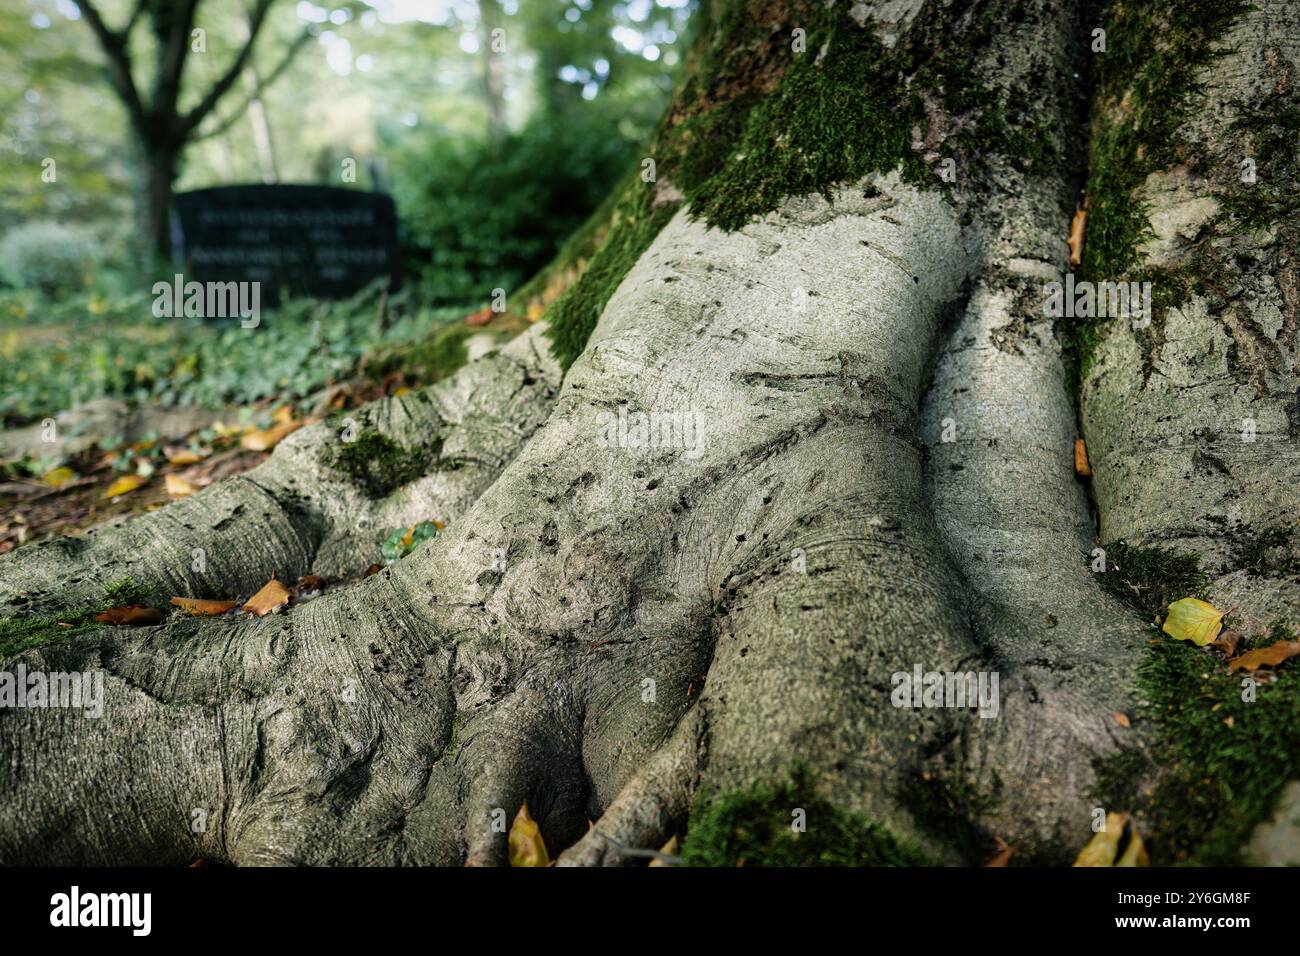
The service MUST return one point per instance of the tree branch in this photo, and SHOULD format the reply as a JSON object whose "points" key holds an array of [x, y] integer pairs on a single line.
{"points": [[113, 44], [191, 120], [173, 49], [263, 84], [135, 16]]}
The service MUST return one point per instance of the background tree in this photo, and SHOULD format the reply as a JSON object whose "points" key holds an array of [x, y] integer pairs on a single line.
{"points": [[162, 123]]}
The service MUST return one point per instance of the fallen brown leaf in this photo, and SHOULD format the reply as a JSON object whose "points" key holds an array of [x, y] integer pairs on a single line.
{"points": [[482, 317], [669, 849], [202, 608], [1103, 848], [182, 456], [1227, 642], [1270, 656], [1075, 242], [1081, 467], [1003, 856], [273, 595], [132, 614], [310, 582]]}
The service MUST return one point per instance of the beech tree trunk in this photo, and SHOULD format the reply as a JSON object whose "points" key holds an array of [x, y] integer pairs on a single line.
{"points": [[821, 435]]}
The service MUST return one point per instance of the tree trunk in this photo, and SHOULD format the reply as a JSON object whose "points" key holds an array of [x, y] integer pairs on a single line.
{"points": [[156, 175], [819, 439]]}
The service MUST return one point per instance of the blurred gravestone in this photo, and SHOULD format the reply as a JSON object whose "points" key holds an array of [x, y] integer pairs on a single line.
{"points": [[308, 240]]}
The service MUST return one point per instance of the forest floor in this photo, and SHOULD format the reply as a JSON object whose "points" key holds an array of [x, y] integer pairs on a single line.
{"points": [[148, 411]]}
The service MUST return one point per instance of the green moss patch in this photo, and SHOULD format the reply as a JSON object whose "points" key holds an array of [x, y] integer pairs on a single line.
{"points": [[944, 808], [377, 463], [1146, 88], [1148, 579], [1222, 760], [634, 223], [18, 634], [754, 828]]}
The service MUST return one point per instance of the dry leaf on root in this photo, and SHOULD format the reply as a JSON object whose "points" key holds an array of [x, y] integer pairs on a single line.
{"points": [[1227, 643], [202, 608], [526, 845], [1117, 844], [1003, 856], [310, 582], [132, 614], [1081, 467], [273, 595], [1192, 619], [1077, 228], [668, 853]]}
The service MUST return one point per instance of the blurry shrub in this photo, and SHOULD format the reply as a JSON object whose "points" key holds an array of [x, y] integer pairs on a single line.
{"points": [[48, 256], [479, 216]]}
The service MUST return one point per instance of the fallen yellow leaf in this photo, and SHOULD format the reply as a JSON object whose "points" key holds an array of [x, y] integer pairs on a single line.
{"points": [[668, 849], [273, 595], [283, 415], [526, 845], [1103, 848], [269, 438], [1192, 619], [59, 477], [124, 485], [182, 456], [179, 487], [202, 608]]}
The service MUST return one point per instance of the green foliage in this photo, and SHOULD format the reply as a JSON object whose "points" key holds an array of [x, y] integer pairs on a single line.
{"points": [[753, 828], [403, 541], [480, 215], [430, 359], [377, 463], [49, 257], [58, 352]]}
